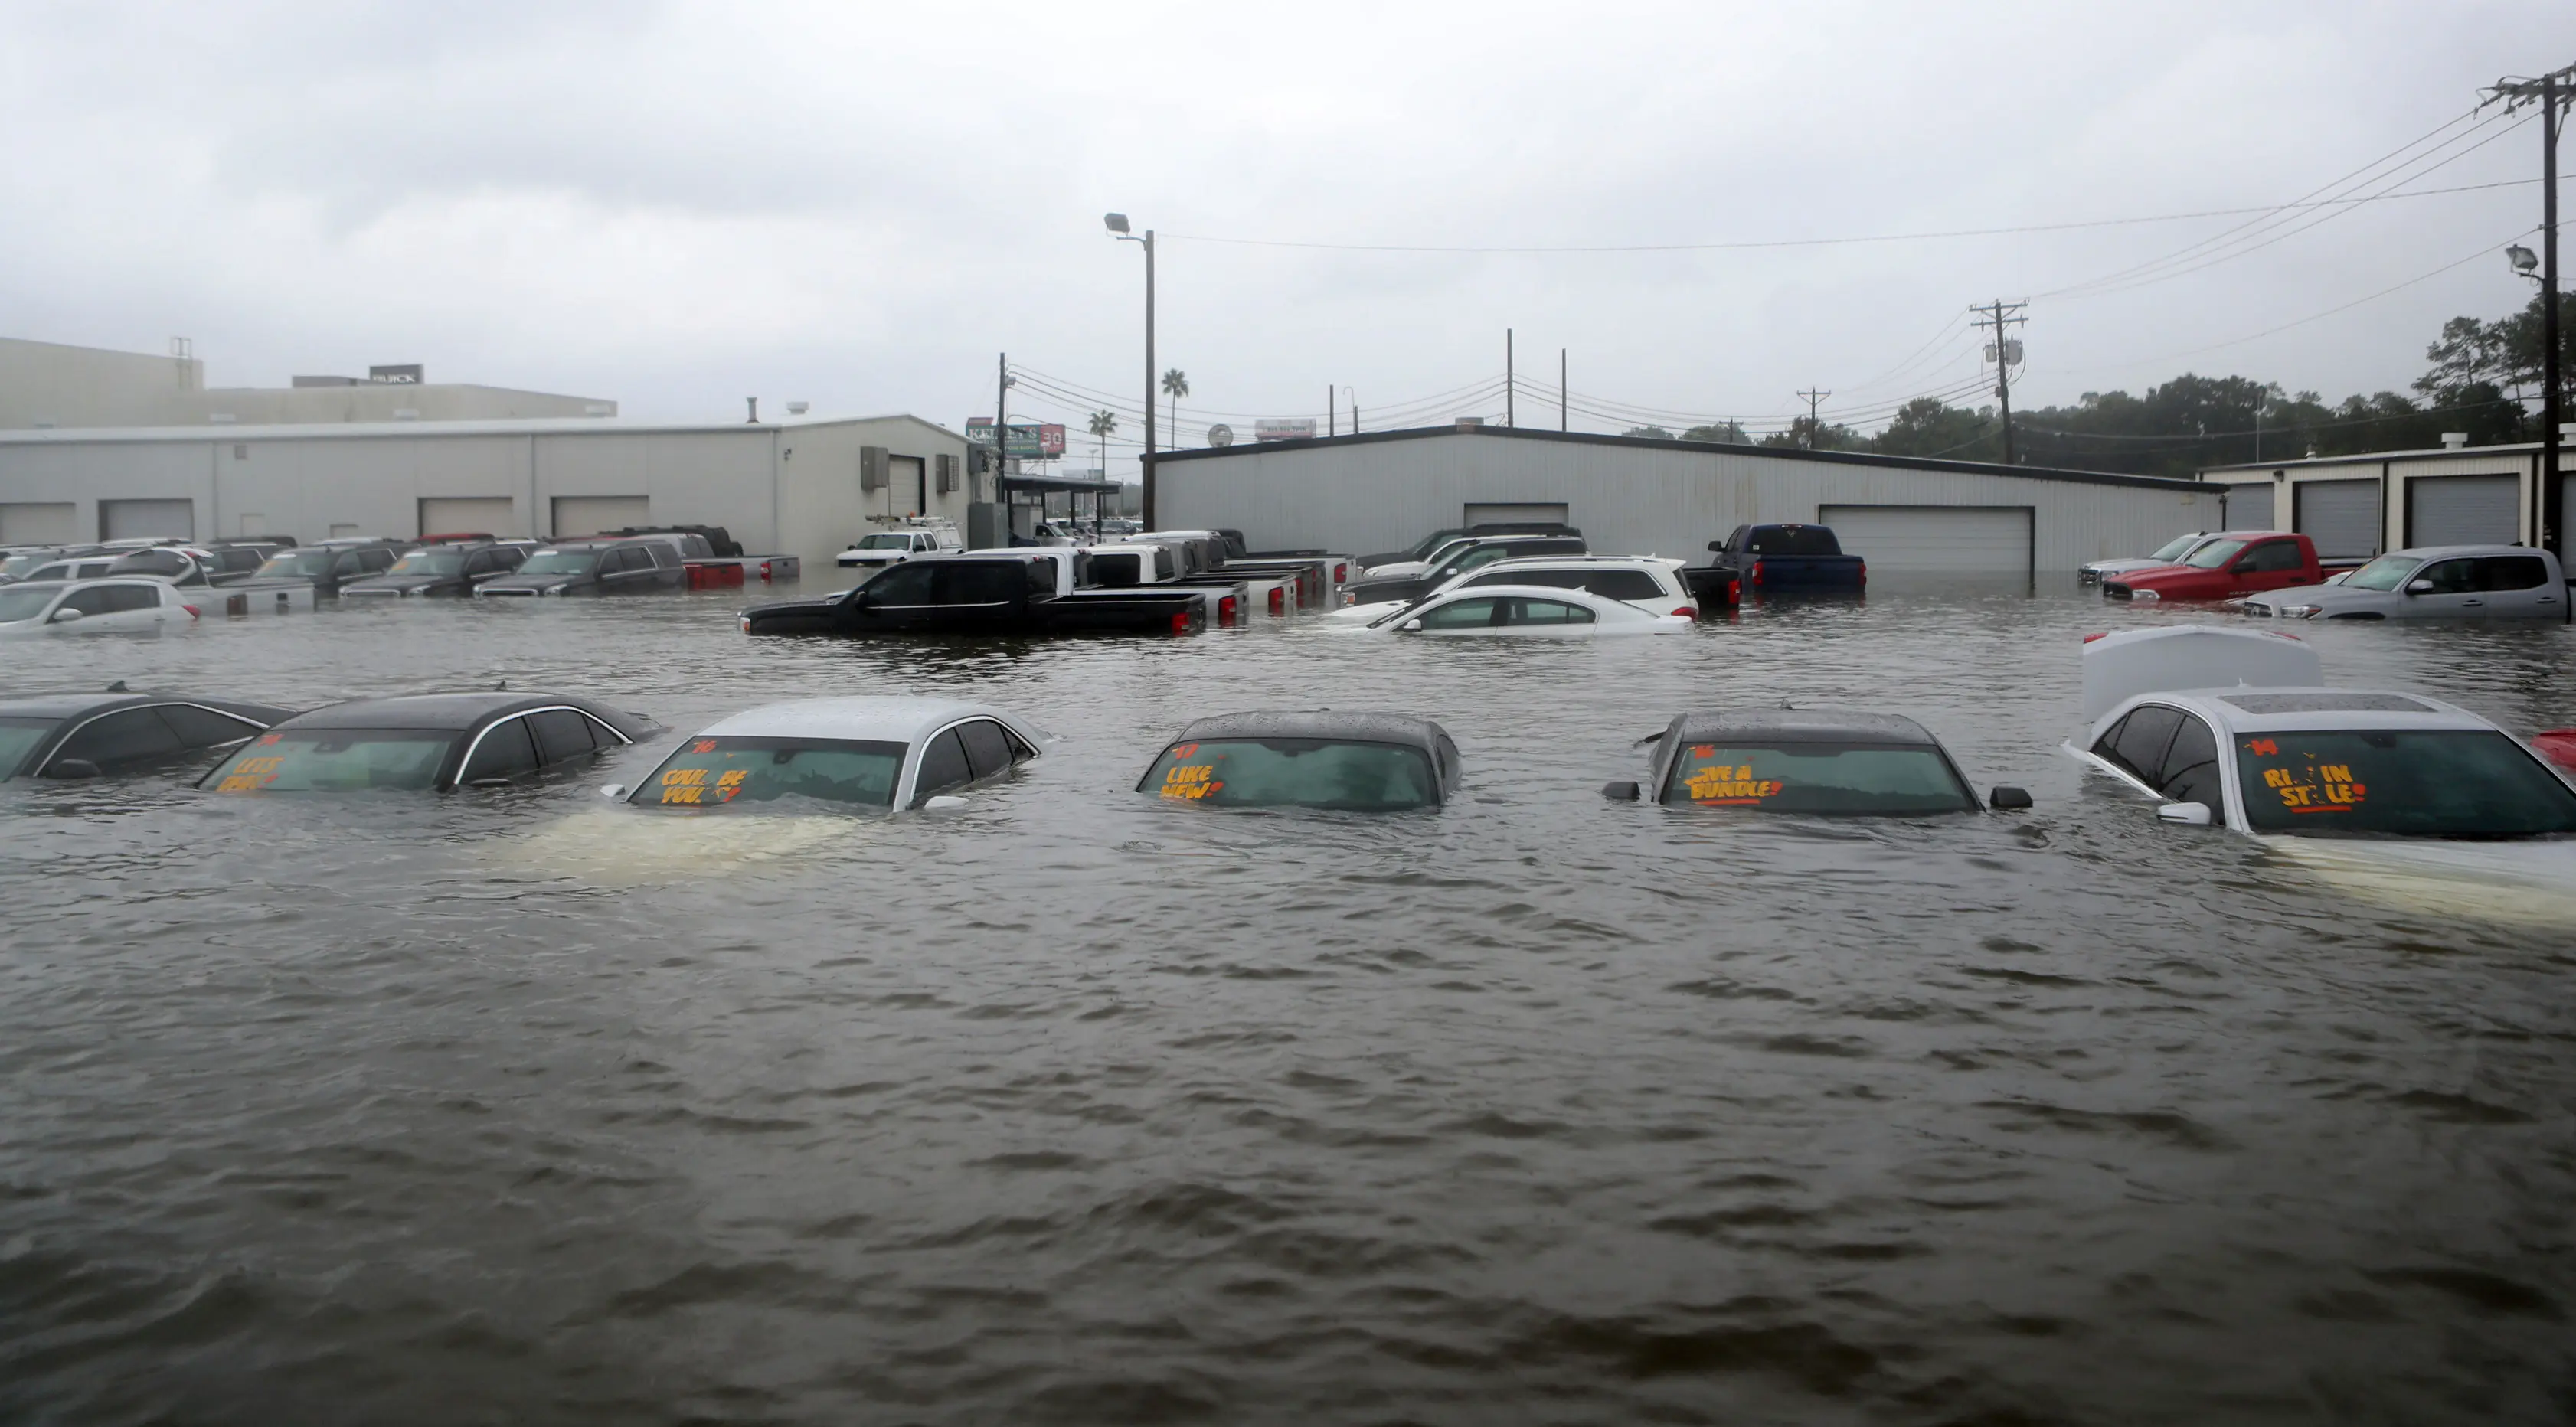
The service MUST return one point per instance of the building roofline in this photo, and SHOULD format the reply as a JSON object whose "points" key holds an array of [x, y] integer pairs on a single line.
{"points": [[1788, 453], [503, 426], [2519, 448]]}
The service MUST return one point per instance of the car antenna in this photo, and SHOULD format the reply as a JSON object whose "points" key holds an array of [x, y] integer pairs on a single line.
{"points": [[504, 684], [117, 688]]}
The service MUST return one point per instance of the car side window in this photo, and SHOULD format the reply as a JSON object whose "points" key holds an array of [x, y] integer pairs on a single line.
{"points": [[1623, 585], [509, 557], [376, 562], [505, 751], [2139, 743], [1527, 611], [977, 582], [2451, 577], [901, 585], [943, 766], [205, 728], [481, 562], [93, 600], [561, 734], [2189, 773], [2271, 557], [1480, 556], [2514, 572], [121, 737], [123, 599], [988, 749], [1461, 614]]}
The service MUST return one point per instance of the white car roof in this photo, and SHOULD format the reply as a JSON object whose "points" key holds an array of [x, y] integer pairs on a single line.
{"points": [[1596, 603], [2118, 667], [1551, 562], [2315, 709], [2442, 552], [881, 718]]}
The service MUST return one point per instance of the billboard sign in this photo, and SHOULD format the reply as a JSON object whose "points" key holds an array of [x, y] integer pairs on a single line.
{"points": [[1030, 441], [1290, 428], [405, 375]]}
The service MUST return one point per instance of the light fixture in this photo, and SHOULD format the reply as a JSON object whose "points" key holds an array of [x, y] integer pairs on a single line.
{"points": [[1117, 222], [2523, 259]]}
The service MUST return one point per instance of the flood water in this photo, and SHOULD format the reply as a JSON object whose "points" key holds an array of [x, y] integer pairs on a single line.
{"points": [[1077, 1107]]}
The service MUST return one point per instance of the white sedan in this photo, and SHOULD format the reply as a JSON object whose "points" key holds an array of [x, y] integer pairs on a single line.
{"points": [[131, 605], [1526, 612], [878, 753], [1651, 583]]}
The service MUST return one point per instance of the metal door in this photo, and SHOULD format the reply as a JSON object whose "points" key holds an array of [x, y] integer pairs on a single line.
{"points": [[1934, 539], [2249, 507], [147, 519], [590, 514], [2342, 517], [2463, 510], [459, 515], [37, 523]]}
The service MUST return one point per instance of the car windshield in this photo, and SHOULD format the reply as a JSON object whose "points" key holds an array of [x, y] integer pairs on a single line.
{"points": [[2214, 554], [560, 562], [884, 542], [430, 562], [23, 603], [1295, 773], [298, 564], [1832, 779], [712, 772], [2472, 783], [335, 760], [18, 736], [2173, 549], [2383, 574], [16, 566]]}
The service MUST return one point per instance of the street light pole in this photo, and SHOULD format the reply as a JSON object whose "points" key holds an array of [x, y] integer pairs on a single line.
{"points": [[2554, 91], [1117, 224]]}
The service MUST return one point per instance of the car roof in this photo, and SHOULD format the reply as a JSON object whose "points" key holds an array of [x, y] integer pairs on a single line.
{"points": [[1411, 730], [2315, 709], [431, 711], [2434, 552], [1532, 562], [1561, 593], [888, 718], [70, 705], [1797, 726]]}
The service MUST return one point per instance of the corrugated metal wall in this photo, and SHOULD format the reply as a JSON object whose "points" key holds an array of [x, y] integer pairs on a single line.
{"points": [[1361, 496]]}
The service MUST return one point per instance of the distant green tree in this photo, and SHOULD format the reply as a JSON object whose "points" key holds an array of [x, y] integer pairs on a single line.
{"points": [[1654, 433], [1827, 437], [1176, 384], [1728, 432], [1103, 423], [1927, 427]]}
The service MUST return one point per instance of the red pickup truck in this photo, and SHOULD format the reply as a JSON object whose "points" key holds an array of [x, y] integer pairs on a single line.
{"points": [[2246, 562]]}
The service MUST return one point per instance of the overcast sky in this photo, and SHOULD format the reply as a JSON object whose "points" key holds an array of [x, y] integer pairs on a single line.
{"points": [[676, 206]]}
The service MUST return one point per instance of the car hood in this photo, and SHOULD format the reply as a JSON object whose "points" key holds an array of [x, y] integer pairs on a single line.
{"points": [[2122, 567], [533, 582], [2324, 596], [2515, 883], [397, 584], [814, 605], [2153, 575], [1396, 569]]}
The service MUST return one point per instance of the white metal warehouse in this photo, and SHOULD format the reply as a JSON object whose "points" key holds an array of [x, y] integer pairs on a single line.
{"points": [[2358, 506], [804, 488], [1632, 495]]}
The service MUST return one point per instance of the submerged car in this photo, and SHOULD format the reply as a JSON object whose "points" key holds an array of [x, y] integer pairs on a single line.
{"points": [[134, 605], [416, 742], [1350, 762], [1822, 762], [90, 735], [2172, 552], [319, 571], [69, 567], [870, 752], [643, 565], [451, 568], [2434, 582], [1526, 612]]}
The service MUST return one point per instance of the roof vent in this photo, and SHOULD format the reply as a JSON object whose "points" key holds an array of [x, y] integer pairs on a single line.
{"points": [[1471, 423], [2455, 440], [798, 408]]}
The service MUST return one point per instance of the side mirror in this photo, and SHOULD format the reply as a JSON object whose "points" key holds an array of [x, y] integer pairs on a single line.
{"points": [[71, 768], [1621, 792], [1717, 546], [2419, 587], [2008, 799], [613, 791], [1410, 626], [943, 803], [2187, 814], [64, 616]]}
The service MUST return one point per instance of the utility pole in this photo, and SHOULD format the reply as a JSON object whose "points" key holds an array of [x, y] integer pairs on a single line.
{"points": [[1560, 390], [1331, 428], [2002, 317], [1812, 398], [2554, 92], [1001, 437], [1511, 384]]}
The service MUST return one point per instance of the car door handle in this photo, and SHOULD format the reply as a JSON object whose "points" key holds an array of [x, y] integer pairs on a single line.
{"points": [[2471, 604]]}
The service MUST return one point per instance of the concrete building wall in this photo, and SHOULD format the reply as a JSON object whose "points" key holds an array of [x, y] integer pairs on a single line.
{"points": [[789, 489], [1371, 493], [2395, 471], [438, 401], [50, 384]]}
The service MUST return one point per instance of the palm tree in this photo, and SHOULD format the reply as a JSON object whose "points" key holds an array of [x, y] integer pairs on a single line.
{"points": [[1102, 423], [1176, 384]]}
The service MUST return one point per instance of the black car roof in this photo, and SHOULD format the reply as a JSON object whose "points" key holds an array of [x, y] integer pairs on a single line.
{"points": [[74, 705], [1797, 726], [1411, 730], [449, 711]]}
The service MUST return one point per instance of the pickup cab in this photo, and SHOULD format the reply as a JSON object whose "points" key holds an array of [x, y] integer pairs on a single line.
{"points": [[893, 547], [2247, 562], [1774, 559], [1005, 592]]}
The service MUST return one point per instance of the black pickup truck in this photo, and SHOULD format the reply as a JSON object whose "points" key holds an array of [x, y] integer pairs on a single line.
{"points": [[1010, 592], [1774, 559]]}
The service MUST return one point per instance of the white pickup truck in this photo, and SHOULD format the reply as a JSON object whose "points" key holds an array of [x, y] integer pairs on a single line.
{"points": [[887, 547], [1230, 599]]}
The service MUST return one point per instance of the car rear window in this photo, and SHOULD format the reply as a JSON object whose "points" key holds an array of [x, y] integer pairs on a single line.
{"points": [[1794, 540], [1831, 779], [335, 760], [1295, 773], [2469, 783], [714, 772]]}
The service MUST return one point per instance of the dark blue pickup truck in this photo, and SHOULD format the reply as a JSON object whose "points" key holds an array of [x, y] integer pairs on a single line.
{"points": [[1774, 559]]}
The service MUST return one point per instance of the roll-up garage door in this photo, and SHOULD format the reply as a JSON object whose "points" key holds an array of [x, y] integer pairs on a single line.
{"points": [[37, 523], [591, 514], [2249, 507], [1934, 539], [2342, 517], [147, 519], [2463, 510], [462, 515]]}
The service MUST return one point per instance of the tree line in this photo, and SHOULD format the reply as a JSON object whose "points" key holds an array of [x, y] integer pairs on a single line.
{"points": [[2483, 378]]}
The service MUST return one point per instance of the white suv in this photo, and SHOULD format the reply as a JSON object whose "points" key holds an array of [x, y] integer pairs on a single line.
{"points": [[1646, 582], [91, 606]]}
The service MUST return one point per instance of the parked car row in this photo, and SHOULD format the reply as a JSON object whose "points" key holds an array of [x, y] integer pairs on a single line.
{"points": [[2275, 574]]}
